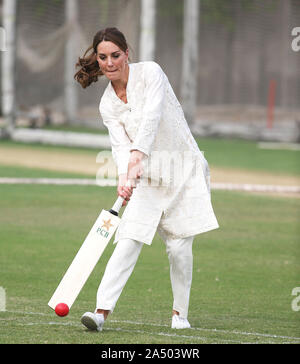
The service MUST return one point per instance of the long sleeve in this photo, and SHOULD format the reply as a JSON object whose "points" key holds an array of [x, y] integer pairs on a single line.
{"points": [[155, 84], [120, 143]]}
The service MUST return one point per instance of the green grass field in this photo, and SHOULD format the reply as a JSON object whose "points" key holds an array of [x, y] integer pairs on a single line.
{"points": [[243, 276], [225, 153]]}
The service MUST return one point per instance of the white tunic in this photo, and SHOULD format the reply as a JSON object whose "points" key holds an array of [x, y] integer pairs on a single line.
{"points": [[173, 196]]}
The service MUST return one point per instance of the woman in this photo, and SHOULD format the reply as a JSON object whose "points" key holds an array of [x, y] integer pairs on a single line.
{"points": [[151, 144]]}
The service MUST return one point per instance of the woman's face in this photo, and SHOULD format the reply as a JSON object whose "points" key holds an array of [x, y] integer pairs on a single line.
{"points": [[112, 60]]}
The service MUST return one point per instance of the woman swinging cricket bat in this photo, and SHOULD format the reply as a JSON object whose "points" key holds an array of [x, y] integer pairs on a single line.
{"points": [[146, 124]]}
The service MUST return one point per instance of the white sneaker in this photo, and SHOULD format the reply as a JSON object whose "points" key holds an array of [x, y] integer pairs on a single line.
{"points": [[180, 322], [93, 321]]}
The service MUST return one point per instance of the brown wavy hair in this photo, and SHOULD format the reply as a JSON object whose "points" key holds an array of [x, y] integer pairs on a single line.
{"points": [[89, 68]]}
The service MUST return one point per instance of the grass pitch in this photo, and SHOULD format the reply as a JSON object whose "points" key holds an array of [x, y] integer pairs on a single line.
{"points": [[243, 274], [224, 153]]}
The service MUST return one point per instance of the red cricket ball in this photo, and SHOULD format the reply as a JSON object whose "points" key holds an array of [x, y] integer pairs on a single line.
{"points": [[62, 309]]}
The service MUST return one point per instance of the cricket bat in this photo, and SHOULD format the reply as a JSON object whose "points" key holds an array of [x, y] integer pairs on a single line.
{"points": [[87, 257]]}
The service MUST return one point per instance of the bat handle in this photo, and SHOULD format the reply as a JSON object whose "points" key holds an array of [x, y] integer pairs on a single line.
{"points": [[118, 204]]}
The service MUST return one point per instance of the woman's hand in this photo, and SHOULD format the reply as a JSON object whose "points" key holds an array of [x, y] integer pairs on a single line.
{"points": [[123, 190], [135, 167], [135, 171]]}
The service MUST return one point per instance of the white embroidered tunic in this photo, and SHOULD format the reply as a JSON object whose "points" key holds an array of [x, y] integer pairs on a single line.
{"points": [[173, 196]]}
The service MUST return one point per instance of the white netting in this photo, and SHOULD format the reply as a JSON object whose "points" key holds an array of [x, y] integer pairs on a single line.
{"points": [[243, 45], [42, 35]]}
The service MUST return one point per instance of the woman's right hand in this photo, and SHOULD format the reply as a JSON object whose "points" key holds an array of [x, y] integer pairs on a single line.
{"points": [[123, 190]]}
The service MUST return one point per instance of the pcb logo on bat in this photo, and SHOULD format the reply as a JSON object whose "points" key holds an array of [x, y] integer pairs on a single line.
{"points": [[103, 232]]}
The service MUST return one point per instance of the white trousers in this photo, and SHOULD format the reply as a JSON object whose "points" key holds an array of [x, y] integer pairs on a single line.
{"points": [[123, 260]]}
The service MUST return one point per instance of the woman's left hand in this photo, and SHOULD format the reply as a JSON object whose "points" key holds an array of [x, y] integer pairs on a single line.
{"points": [[135, 167]]}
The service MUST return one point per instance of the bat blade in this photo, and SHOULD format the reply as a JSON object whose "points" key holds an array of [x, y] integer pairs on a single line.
{"points": [[85, 259]]}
